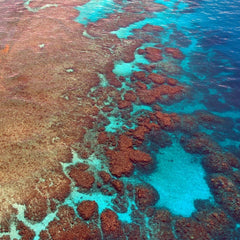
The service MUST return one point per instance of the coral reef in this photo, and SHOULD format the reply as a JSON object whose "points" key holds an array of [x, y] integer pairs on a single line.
{"points": [[74, 134]]}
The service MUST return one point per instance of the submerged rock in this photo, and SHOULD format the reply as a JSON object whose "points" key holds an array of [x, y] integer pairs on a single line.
{"points": [[145, 196], [111, 225]]}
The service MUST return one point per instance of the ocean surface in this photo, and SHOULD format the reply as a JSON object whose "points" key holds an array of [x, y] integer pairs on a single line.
{"points": [[208, 34]]}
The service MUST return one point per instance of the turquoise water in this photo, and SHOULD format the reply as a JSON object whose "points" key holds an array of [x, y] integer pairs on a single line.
{"points": [[94, 10], [180, 179]]}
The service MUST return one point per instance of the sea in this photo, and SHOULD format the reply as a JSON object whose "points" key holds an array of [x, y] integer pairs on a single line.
{"points": [[208, 34]]}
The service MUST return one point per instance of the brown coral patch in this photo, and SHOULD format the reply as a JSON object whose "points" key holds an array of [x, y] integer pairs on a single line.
{"points": [[227, 193], [167, 121], [106, 177], [200, 143], [130, 96], [124, 104], [118, 185], [125, 142], [120, 163], [111, 225], [163, 93], [25, 232], [216, 222], [153, 54], [36, 207], [188, 229], [82, 178], [87, 209], [69, 227], [157, 78], [175, 53], [139, 76], [140, 157], [152, 28], [145, 196]]}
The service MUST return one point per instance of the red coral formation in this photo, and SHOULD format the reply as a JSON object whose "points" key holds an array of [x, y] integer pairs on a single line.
{"points": [[118, 185], [139, 76], [69, 227], [123, 157], [171, 92], [219, 162], [56, 186], [157, 78], [106, 177], [141, 85], [172, 81], [145, 196], [25, 232], [120, 163], [139, 157], [36, 207], [82, 178], [152, 28], [125, 142], [141, 51], [130, 96], [113, 22], [87, 209], [216, 222], [103, 138], [111, 225], [107, 109], [160, 93], [167, 121], [226, 193], [175, 53], [161, 224], [200, 143], [113, 80], [188, 229], [139, 132], [146, 96], [122, 104], [4, 222], [153, 54], [133, 232], [44, 235], [5, 237]]}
